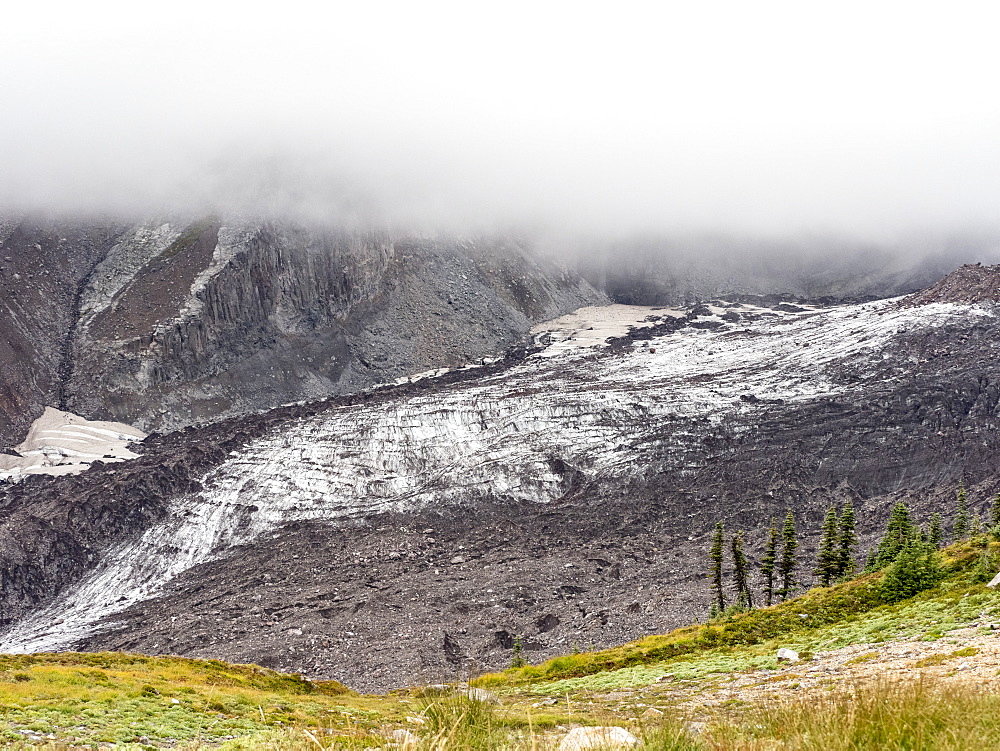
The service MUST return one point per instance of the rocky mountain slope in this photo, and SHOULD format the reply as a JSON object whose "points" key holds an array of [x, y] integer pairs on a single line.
{"points": [[43, 264], [169, 323], [564, 494]]}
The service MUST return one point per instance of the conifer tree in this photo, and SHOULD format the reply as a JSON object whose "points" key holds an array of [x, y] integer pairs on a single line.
{"points": [[517, 655], [768, 560], [897, 531], [715, 569], [846, 541], [786, 563], [827, 559], [960, 527], [976, 525], [743, 596], [935, 535], [995, 513], [915, 569]]}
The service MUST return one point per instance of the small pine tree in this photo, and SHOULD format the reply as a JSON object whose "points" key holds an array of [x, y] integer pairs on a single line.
{"points": [[995, 512], [715, 567], [827, 560], [786, 563], [846, 541], [517, 655], [976, 525], [960, 527], [898, 530], [768, 560], [985, 568], [915, 569], [744, 598], [935, 535]]}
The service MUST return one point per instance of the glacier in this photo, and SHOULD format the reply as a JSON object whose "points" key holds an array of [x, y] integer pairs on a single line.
{"points": [[576, 408]]}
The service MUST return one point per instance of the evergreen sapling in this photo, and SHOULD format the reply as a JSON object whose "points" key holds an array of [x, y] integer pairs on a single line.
{"points": [[976, 525], [744, 598], [846, 542], [995, 517], [786, 563], [935, 535], [960, 527], [915, 569], [828, 558], [898, 530], [768, 560]]}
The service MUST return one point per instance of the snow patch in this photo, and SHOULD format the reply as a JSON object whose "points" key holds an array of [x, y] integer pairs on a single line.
{"points": [[61, 443]]}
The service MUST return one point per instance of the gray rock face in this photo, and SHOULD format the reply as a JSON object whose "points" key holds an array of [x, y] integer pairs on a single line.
{"points": [[170, 323], [43, 264]]}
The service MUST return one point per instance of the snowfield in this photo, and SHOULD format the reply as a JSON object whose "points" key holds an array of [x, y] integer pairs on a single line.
{"points": [[61, 443], [577, 408]]}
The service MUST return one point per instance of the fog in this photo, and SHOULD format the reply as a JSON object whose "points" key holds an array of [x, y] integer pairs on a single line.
{"points": [[874, 121]]}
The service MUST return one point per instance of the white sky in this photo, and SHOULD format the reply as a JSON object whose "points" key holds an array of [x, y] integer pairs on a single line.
{"points": [[738, 116]]}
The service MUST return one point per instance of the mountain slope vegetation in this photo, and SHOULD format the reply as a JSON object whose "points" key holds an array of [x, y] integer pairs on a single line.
{"points": [[900, 674]]}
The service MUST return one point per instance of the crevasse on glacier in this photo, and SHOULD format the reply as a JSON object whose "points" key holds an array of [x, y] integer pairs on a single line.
{"points": [[489, 440]]}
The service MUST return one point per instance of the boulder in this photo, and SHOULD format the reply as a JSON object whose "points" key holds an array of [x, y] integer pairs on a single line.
{"points": [[787, 655], [994, 582], [581, 739]]}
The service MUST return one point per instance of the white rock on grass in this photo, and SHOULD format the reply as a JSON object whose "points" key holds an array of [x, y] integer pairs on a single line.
{"points": [[787, 655], [581, 739]]}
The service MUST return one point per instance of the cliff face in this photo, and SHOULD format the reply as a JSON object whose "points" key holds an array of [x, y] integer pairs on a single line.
{"points": [[42, 267], [166, 324]]}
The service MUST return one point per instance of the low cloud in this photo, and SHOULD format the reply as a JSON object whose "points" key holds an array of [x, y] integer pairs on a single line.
{"points": [[770, 120]]}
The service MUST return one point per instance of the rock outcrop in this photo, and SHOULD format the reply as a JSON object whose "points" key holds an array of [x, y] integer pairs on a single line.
{"points": [[43, 265], [972, 283], [172, 323]]}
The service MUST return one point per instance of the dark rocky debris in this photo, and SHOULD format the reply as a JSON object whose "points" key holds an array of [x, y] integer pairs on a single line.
{"points": [[972, 283]]}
